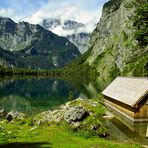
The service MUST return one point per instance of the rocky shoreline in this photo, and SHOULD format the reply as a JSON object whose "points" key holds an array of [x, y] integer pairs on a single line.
{"points": [[79, 114], [81, 119]]}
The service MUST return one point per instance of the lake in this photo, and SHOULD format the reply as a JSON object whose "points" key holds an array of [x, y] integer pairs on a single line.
{"points": [[35, 95]]}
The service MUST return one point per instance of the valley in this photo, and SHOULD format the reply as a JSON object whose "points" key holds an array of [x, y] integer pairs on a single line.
{"points": [[52, 76]]}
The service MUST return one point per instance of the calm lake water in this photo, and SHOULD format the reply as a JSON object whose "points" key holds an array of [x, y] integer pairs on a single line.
{"points": [[37, 95]]}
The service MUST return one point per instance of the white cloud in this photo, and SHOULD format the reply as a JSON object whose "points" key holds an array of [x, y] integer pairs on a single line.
{"points": [[60, 31], [69, 11], [8, 12], [36, 18]]}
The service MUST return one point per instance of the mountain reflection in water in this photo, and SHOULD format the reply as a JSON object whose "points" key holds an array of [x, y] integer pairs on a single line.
{"points": [[36, 95]]}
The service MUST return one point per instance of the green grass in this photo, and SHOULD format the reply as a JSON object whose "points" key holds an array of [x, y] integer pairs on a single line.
{"points": [[54, 136]]}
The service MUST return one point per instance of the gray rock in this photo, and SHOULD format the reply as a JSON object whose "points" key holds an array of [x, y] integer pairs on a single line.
{"points": [[75, 114], [50, 116], [14, 114], [3, 112]]}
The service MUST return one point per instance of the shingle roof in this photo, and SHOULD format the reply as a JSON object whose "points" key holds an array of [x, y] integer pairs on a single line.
{"points": [[128, 90]]}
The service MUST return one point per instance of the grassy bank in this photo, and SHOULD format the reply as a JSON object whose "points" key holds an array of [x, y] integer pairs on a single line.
{"points": [[53, 136], [53, 130]]}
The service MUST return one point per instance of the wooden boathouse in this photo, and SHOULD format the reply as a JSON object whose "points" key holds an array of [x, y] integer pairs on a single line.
{"points": [[129, 97]]}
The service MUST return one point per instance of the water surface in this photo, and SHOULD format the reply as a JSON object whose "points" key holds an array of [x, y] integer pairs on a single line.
{"points": [[36, 95]]}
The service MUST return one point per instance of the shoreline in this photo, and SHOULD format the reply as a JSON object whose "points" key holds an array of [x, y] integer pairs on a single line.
{"points": [[79, 118]]}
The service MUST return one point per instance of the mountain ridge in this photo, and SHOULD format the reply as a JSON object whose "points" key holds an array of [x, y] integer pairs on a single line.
{"points": [[70, 29], [39, 48]]}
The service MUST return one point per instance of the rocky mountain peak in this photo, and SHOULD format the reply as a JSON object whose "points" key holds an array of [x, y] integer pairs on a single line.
{"points": [[7, 25], [112, 5], [72, 25], [74, 31], [6, 19], [38, 47], [51, 23]]}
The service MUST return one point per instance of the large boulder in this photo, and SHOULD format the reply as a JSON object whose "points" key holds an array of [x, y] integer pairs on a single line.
{"points": [[75, 113]]}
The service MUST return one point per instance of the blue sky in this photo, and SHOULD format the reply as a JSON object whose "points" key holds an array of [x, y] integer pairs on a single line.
{"points": [[19, 4], [33, 11], [19, 9]]}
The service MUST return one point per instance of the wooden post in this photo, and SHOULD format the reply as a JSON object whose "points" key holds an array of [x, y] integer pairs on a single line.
{"points": [[147, 132]]}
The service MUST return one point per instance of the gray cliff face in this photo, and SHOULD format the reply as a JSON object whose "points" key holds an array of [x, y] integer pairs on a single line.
{"points": [[114, 49], [80, 40], [15, 37], [38, 47], [71, 30]]}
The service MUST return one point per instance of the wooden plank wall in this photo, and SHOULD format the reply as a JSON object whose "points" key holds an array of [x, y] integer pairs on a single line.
{"points": [[143, 112]]}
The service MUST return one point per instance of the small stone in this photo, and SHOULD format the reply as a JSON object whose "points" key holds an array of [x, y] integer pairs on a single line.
{"points": [[14, 114], [3, 112]]}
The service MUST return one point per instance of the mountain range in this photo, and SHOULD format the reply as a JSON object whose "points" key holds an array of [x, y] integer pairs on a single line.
{"points": [[25, 45], [118, 46], [74, 31]]}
